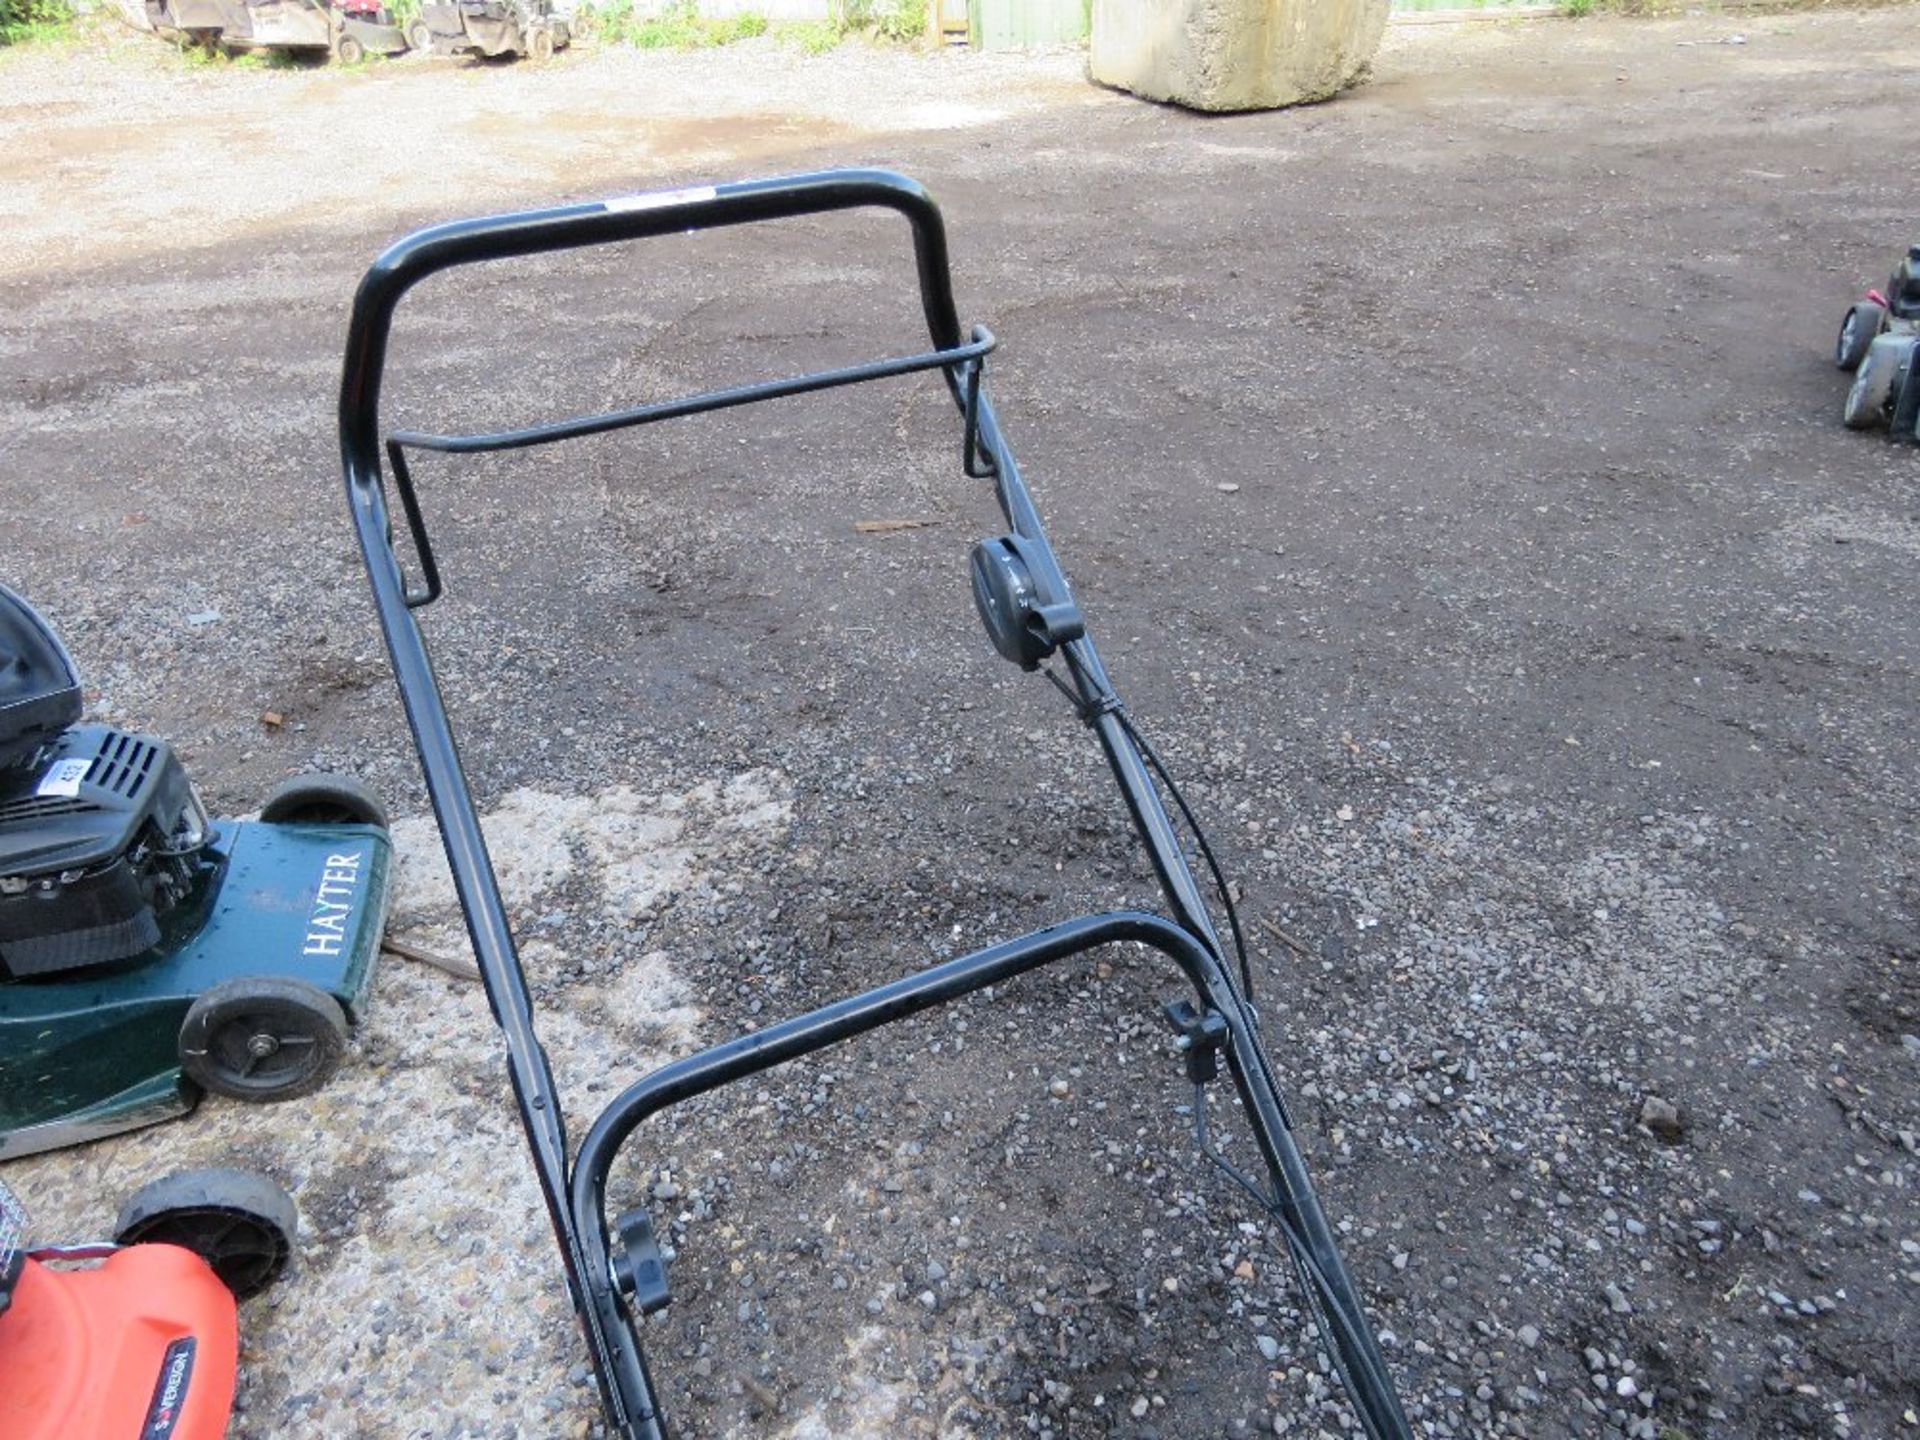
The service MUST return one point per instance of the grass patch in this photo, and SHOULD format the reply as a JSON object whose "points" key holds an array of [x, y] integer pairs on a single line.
{"points": [[1642, 9], [36, 22], [810, 37], [274, 59], [900, 21], [893, 22], [678, 25]]}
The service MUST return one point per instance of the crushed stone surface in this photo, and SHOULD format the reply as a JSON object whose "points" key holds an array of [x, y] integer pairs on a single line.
{"points": [[1453, 477]]}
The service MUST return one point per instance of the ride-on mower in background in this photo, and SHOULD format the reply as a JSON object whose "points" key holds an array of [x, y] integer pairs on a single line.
{"points": [[534, 28], [148, 953], [616, 1268], [145, 1343], [350, 30], [1879, 339]]}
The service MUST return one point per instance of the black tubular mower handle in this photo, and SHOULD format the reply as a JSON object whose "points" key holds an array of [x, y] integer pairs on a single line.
{"points": [[635, 217], [575, 1195]]}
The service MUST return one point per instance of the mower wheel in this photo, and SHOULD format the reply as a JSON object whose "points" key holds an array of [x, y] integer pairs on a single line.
{"points": [[348, 51], [420, 37], [540, 45], [1872, 393], [239, 1222], [320, 799], [1903, 416], [1864, 321], [263, 1038]]}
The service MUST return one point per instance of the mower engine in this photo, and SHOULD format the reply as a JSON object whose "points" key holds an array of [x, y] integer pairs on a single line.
{"points": [[1903, 287], [101, 835]]}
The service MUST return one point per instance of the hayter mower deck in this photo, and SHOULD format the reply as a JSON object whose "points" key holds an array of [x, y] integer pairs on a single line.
{"points": [[615, 1269], [147, 952]]}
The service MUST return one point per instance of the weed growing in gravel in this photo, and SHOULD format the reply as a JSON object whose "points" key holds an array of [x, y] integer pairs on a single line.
{"points": [[901, 21], [679, 25], [811, 37], [26, 21], [896, 22]]}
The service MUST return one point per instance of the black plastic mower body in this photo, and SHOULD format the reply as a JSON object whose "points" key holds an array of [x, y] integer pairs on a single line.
{"points": [[39, 686], [100, 836]]}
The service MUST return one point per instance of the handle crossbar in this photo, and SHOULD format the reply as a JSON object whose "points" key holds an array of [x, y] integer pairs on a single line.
{"points": [[570, 227]]}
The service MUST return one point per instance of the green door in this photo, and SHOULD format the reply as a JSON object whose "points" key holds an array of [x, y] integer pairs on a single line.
{"points": [[1022, 24]]}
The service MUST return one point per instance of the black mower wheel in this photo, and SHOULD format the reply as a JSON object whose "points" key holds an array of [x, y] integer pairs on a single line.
{"points": [[1903, 416], [1865, 320], [540, 45], [263, 1038], [420, 37], [1871, 397], [348, 51], [239, 1222], [320, 799]]}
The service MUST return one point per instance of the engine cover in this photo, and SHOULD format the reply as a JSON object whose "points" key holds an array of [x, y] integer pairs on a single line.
{"points": [[1903, 289], [39, 688], [98, 840]]}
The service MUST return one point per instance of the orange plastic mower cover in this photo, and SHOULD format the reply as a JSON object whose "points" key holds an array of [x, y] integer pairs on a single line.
{"points": [[142, 1347]]}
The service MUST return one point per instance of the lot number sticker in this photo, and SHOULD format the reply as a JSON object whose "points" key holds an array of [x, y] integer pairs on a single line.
{"points": [[64, 778]]}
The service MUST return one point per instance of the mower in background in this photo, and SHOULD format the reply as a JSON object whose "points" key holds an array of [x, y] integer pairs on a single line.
{"points": [[1879, 338], [147, 952], [349, 30], [535, 28]]}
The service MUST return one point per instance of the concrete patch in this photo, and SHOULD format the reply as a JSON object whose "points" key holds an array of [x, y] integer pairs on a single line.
{"points": [[363, 1327], [1794, 543], [634, 851], [871, 1407]]}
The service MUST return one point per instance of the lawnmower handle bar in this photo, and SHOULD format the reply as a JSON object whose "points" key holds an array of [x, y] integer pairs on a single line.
{"points": [[575, 1195], [598, 222], [628, 1384]]}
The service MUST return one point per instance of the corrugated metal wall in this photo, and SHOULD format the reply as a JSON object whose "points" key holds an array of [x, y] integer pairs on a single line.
{"points": [[1022, 24]]}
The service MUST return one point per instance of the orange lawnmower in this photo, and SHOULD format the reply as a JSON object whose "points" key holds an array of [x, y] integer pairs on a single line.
{"points": [[138, 1337]]}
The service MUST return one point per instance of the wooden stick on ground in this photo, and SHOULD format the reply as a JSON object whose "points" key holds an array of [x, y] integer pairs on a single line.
{"points": [[407, 950], [1287, 940]]}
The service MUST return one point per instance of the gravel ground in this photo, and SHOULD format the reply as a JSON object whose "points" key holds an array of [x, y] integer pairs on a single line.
{"points": [[1454, 476]]}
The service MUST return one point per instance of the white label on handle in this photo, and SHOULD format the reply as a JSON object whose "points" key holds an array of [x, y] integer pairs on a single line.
{"points": [[656, 199], [64, 778]]}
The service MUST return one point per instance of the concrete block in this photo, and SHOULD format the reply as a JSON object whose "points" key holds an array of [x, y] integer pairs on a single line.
{"points": [[1235, 54]]}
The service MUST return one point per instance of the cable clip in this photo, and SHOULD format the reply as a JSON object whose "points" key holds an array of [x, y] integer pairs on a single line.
{"points": [[1201, 1036]]}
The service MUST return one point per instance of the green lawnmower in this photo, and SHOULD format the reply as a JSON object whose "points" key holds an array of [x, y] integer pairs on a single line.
{"points": [[148, 953]]}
